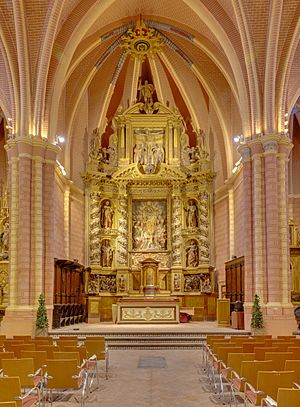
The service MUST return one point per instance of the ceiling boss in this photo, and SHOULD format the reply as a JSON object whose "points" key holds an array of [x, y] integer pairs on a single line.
{"points": [[141, 41]]}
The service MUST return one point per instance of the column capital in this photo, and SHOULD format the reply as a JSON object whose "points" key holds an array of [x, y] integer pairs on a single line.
{"points": [[270, 146], [245, 152]]}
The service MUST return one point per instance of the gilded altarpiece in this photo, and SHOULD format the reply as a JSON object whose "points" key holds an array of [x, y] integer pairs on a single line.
{"points": [[148, 196]]}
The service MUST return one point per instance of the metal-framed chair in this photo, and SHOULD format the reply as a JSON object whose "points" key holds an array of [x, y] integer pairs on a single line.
{"points": [[65, 377]]}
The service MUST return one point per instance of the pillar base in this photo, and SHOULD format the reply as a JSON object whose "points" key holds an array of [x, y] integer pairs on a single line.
{"points": [[18, 322], [279, 319]]}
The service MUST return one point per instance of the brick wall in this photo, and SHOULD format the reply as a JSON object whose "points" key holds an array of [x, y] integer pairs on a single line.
{"points": [[238, 217], [221, 235], [59, 222], [77, 229]]}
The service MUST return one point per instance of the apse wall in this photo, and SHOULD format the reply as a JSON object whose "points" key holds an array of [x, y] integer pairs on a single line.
{"points": [[228, 223]]}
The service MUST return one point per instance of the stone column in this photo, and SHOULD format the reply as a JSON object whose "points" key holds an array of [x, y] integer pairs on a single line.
{"points": [[48, 221], [259, 265], [284, 150], [67, 221], [122, 250], [204, 227], [31, 262], [231, 222], [245, 152], [176, 226], [272, 221], [94, 229]]}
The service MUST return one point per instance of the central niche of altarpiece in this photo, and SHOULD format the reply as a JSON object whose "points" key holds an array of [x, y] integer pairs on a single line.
{"points": [[148, 197]]}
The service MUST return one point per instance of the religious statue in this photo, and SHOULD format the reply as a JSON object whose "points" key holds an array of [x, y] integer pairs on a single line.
{"points": [[122, 283], [95, 144], [149, 155], [4, 238], [191, 215], [176, 282], [206, 284], [192, 256], [107, 213], [146, 93], [106, 254]]}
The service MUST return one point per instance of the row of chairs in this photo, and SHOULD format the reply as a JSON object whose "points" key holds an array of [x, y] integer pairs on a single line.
{"points": [[43, 362], [247, 364], [93, 345], [60, 376]]}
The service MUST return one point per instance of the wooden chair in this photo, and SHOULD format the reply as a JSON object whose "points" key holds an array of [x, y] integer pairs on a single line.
{"points": [[8, 343], [285, 398], [24, 346], [293, 365], [268, 383], [261, 337], [249, 346], [99, 349], [248, 373], [286, 337], [39, 358], [67, 355], [8, 404], [10, 390], [43, 340], [64, 376], [25, 338], [295, 351], [261, 351], [223, 369], [24, 369], [68, 338], [6, 355], [63, 343], [48, 348], [81, 349], [234, 364], [278, 359]]}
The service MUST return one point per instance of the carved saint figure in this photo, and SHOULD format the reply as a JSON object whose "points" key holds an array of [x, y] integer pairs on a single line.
{"points": [[107, 213], [146, 92], [176, 282], [122, 283], [192, 257], [106, 254], [4, 238], [191, 215]]}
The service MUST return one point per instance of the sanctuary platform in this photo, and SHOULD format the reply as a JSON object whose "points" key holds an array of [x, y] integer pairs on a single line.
{"points": [[190, 335]]}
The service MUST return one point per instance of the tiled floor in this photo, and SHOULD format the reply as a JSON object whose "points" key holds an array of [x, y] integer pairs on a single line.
{"points": [[145, 378]]}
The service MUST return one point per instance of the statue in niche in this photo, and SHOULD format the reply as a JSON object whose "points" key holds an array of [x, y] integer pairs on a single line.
{"points": [[122, 283], [107, 214], [206, 283], [4, 240], [176, 282], [191, 215], [192, 254], [106, 254]]}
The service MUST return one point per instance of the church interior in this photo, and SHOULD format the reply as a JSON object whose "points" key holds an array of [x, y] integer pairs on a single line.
{"points": [[149, 158]]}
